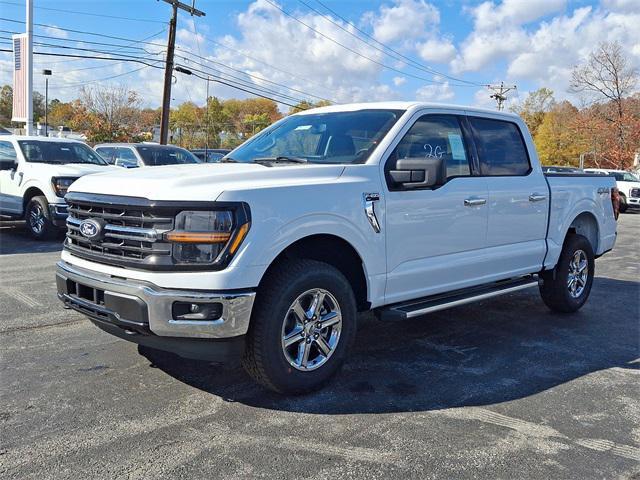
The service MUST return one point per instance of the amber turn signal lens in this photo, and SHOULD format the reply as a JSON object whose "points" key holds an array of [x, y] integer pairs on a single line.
{"points": [[242, 232], [197, 237]]}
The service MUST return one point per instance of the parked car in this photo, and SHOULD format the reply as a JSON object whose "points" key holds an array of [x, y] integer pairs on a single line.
{"points": [[628, 186], [563, 169], [35, 173], [132, 155], [403, 208], [211, 155]]}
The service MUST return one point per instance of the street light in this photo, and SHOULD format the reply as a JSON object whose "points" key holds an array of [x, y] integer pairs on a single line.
{"points": [[47, 74]]}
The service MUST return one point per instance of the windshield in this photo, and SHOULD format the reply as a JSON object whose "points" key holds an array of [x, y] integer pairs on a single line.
{"points": [[336, 137], [155, 155], [59, 152], [625, 177]]}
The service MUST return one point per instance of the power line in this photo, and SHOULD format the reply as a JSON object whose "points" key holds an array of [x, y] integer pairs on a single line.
{"points": [[372, 60], [190, 53], [397, 55], [247, 74], [86, 13], [214, 79], [84, 32]]}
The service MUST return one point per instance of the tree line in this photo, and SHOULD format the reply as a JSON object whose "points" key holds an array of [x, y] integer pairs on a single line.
{"points": [[114, 114], [604, 129]]}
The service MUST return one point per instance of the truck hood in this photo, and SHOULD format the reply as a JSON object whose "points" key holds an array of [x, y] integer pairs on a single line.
{"points": [[72, 169], [202, 182]]}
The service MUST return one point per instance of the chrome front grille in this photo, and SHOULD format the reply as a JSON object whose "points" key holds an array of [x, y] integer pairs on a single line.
{"points": [[635, 192], [131, 234]]}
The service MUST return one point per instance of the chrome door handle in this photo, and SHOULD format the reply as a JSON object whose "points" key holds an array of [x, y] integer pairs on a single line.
{"points": [[536, 197], [474, 202]]}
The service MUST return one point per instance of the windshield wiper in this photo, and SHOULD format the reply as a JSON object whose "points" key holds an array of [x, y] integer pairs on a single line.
{"points": [[228, 160], [280, 159]]}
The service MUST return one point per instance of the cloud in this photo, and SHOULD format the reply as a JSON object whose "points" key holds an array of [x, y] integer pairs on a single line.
{"points": [[54, 31], [405, 18], [436, 50], [546, 51], [437, 92], [397, 81]]}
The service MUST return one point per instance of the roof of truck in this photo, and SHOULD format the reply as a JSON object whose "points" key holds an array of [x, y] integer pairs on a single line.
{"points": [[401, 105]]}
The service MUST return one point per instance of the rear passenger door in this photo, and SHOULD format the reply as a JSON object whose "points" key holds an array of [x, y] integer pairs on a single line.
{"points": [[518, 197]]}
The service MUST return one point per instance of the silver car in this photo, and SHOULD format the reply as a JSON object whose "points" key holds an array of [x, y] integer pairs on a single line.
{"points": [[132, 155]]}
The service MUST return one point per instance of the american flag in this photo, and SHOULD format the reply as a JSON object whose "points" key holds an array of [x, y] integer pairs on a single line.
{"points": [[20, 78]]}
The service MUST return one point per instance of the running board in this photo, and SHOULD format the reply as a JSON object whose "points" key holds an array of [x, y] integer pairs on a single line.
{"points": [[415, 308]]}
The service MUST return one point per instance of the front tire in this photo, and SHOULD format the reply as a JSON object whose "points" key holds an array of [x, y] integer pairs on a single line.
{"points": [[38, 219], [302, 327], [566, 288]]}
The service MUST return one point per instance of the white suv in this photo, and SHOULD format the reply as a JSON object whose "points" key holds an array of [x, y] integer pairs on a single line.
{"points": [[628, 186], [35, 173], [132, 155]]}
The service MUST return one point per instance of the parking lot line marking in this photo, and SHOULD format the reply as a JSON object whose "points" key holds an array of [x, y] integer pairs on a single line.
{"points": [[600, 445], [22, 298]]}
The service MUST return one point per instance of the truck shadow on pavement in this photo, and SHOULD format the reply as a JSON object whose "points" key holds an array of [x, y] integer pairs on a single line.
{"points": [[484, 353], [14, 238]]}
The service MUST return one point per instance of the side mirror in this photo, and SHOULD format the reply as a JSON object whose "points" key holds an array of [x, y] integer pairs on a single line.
{"points": [[419, 172], [8, 164]]}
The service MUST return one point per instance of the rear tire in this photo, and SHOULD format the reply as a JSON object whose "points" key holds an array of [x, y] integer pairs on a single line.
{"points": [[292, 347], [38, 219], [566, 288]]}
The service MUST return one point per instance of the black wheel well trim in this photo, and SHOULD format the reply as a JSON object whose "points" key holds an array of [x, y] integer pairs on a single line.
{"points": [[29, 194], [335, 251], [592, 236]]}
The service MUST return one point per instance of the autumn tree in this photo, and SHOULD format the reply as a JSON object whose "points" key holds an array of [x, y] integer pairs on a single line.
{"points": [[535, 107], [608, 80], [556, 139], [112, 111], [306, 105]]}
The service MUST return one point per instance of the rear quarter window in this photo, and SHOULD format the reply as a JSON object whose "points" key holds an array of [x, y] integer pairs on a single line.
{"points": [[501, 148]]}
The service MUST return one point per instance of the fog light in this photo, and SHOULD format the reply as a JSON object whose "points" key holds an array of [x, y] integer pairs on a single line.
{"points": [[196, 311]]}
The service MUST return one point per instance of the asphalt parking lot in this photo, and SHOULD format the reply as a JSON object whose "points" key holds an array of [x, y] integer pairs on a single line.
{"points": [[498, 389]]}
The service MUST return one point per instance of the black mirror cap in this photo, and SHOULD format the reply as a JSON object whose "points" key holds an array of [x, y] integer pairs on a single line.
{"points": [[8, 164], [419, 172]]}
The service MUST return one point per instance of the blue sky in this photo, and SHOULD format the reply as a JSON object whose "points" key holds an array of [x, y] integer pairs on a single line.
{"points": [[443, 51]]}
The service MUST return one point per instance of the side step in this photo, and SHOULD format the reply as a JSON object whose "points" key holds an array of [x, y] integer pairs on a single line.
{"points": [[415, 308]]}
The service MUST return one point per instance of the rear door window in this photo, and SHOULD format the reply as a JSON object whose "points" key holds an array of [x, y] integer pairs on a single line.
{"points": [[501, 148]]}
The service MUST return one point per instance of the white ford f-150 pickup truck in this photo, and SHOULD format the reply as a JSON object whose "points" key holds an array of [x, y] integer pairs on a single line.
{"points": [[405, 208], [35, 173]]}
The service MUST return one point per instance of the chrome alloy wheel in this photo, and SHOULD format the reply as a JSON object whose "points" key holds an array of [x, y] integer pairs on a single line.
{"points": [[578, 273], [36, 218], [311, 329]]}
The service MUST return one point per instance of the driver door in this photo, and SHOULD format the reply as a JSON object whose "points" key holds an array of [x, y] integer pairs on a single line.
{"points": [[10, 179], [435, 235]]}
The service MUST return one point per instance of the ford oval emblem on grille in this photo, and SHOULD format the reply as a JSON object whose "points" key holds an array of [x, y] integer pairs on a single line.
{"points": [[91, 229]]}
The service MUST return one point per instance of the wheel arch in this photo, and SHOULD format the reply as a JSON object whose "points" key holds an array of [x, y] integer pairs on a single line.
{"points": [[337, 252], [28, 195], [586, 224]]}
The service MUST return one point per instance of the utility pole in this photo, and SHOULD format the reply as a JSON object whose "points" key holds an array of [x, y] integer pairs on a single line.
{"points": [[168, 69], [499, 94], [29, 91]]}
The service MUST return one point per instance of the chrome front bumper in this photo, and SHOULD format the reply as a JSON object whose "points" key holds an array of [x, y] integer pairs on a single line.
{"points": [[144, 306]]}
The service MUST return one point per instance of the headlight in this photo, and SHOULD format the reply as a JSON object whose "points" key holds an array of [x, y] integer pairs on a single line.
{"points": [[61, 185], [205, 237]]}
